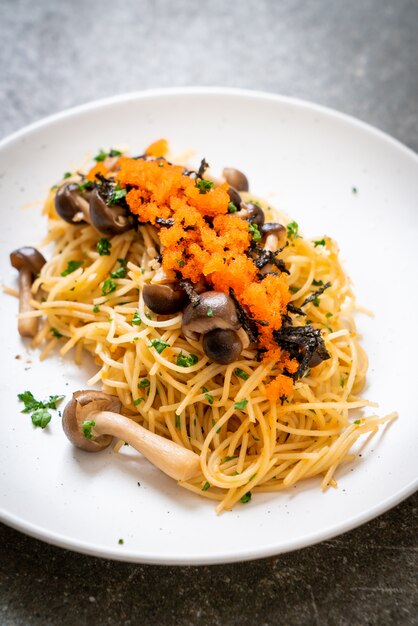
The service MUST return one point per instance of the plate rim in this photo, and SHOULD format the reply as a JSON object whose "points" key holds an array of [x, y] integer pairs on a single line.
{"points": [[57, 539]]}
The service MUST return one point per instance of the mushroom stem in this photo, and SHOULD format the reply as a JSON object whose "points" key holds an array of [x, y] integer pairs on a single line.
{"points": [[272, 242], [172, 459], [28, 326]]}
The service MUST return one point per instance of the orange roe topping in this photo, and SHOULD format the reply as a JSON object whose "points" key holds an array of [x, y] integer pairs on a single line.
{"points": [[207, 243], [157, 148], [279, 387]]}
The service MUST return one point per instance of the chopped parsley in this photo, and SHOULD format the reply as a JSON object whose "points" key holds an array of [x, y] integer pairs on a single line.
{"points": [[86, 427], [316, 301], [207, 395], [328, 315], [354, 189], [186, 361], [241, 374], [102, 155], [55, 332], [229, 458], [177, 421], [96, 308], [31, 404], [136, 320], [342, 381], [204, 185], [241, 404], [232, 208], [357, 421], [159, 345], [118, 194], [206, 486], [181, 262], [138, 401], [144, 383], [293, 289], [67, 175], [246, 497], [86, 184], [41, 418], [72, 266], [209, 312], [121, 271], [293, 230], [317, 283], [103, 246], [319, 242], [121, 542], [255, 233], [108, 286]]}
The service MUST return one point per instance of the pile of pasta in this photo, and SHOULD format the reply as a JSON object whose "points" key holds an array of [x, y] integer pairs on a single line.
{"points": [[246, 443]]}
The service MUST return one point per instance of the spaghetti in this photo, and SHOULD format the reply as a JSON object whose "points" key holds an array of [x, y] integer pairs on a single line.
{"points": [[278, 413]]}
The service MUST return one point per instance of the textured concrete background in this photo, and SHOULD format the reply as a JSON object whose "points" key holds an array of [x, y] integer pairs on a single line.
{"points": [[360, 57]]}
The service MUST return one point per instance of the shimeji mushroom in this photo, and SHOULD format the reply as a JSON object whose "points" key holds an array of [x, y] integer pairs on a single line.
{"points": [[235, 178], [164, 295], [92, 418], [215, 317], [29, 262]]}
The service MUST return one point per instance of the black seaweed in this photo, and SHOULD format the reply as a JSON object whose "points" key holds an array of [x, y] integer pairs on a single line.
{"points": [[262, 257], [302, 342], [247, 322], [202, 168], [295, 309], [316, 293]]}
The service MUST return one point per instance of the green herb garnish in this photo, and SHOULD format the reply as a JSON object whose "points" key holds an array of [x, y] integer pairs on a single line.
{"points": [[159, 345], [96, 308], [138, 401], [103, 246], [293, 230], [206, 486], [241, 374], [229, 458], [246, 497], [186, 361], [136, 320], [144, 383], [317, 283], [41, 418], [357, 421], [319, 242], [86, 427], [31, 404], [209, 312], [72, 266], [121, 271], [177, 421], [108, 286], [117, 194], [232, 208], [241, 404], [102, 155], [55, 332], [204, 185], [67, 175], [207, 395], [255, 233]]}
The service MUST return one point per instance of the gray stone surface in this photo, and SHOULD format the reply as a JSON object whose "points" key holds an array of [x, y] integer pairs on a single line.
{"points": [[360, 57]]}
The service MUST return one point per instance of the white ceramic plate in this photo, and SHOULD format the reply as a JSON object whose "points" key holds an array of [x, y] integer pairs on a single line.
{"points": [[310, 158]]}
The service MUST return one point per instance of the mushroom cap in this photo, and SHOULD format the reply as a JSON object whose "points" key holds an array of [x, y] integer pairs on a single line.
{"points": [[272, 228], [79, 409], [71, 204], [164, 299], [222, 345], [235, 178], [234, 197], [108, 219], [215, 310], [27, 258], [255, 214]]}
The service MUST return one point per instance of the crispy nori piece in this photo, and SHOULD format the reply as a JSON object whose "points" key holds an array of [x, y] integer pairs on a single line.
{"points": [[262, 257], [247, 322], [316, 293], [295, 309], [202, 168], [193, 296], [302, 342]]}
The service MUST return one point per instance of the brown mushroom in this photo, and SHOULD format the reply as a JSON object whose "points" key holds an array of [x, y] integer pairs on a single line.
{"points": [[92, 418], [164, 299], [222, 345], [214, 314], [108, 219], [235, 178], [272, 233], [252, 212], [215, 310], [29, 262], [72, 204], [234, 197]]}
